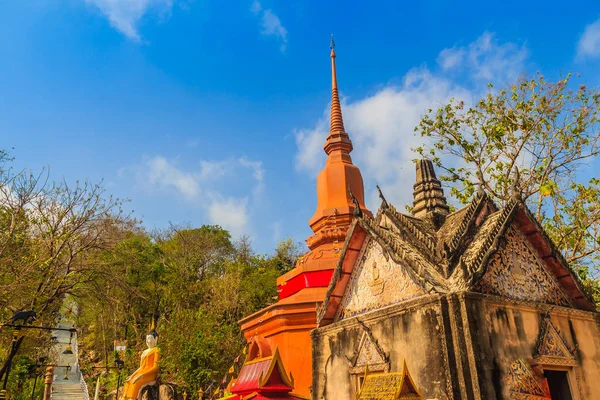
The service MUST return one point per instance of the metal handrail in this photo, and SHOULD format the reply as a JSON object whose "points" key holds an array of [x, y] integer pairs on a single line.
{"points": [[81, 380]]}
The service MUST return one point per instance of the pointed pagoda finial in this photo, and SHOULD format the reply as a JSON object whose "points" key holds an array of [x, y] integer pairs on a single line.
{"points": [[428, 193], [338, 138]]}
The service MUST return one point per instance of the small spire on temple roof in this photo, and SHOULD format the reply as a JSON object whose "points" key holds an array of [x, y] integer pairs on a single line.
{"points": [[429, 196]]}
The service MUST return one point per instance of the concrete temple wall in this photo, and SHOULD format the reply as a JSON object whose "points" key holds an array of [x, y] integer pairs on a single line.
{"points": [[413, 331], [460, 346], [503, 331]]}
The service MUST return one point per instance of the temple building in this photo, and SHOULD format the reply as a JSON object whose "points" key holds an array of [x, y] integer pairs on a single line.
{"points": [[477, 303], [471, 304]]}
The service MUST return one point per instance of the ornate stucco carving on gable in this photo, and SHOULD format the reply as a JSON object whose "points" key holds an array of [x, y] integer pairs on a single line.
{"points": [[551, 349], [369, 355], [376, 282], [522, 382], [516, 271]]}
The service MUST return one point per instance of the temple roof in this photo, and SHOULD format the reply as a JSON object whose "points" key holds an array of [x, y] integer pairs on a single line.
{"points": [[264, 378], [448, 253], [389, 386]]}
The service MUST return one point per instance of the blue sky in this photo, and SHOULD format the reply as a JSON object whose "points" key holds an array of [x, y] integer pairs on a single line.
{"points": [[215, 112]]}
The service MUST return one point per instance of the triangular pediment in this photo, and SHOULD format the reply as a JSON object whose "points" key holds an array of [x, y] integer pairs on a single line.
{"points": [[276, 373], [551, 347], [522, 382], [369, 355], [516, 271], [377, 281], [389, 386]]}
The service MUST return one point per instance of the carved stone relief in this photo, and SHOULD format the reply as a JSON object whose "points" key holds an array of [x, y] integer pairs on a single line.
{"points": [[376, 282], [369, 355], [516, 271], [551, 349], [523, 383]]}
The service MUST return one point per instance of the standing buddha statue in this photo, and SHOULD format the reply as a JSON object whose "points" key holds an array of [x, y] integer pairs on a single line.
{"points": [[146, 374]]}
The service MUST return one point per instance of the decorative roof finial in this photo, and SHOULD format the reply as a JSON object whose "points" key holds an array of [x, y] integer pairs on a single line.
{"points": [[357, 210], [384, 202]]}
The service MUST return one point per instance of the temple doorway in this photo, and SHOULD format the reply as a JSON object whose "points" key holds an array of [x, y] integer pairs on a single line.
{"points": [[558, 381]]}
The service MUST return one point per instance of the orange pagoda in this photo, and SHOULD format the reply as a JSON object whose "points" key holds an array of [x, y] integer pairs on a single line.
{"points": [[286, 325]]}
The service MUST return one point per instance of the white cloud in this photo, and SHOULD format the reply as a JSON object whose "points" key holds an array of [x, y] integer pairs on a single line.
{"points": [[450, 58], [256, 7], [163, 174], [492, 60], [276, 228], [203, 186], [270, 24], [258, 173], [381, 125], [485, 59], [125, 15], [230, 213], [192, 143], [589, 43], [213, 169]]}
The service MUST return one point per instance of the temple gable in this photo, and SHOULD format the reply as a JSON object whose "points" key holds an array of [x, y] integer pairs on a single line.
{"points": [[376, 282], [369, 355], [516, 271], [389, 386], [551, 348]]}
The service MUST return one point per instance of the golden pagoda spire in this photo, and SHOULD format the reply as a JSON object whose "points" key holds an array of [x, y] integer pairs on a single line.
{"points": [[338, 139]]}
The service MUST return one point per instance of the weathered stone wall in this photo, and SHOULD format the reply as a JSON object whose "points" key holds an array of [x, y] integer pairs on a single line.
{"points": [[413, 331], [459, 346], [503, 331]]}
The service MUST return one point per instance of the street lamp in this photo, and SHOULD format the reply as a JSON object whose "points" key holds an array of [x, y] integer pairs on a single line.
{"points": [[67, 369], [40, 363], [68, 350]]}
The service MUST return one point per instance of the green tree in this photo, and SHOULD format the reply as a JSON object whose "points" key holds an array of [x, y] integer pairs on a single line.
{"points": [[49, 235], [534, 138]]}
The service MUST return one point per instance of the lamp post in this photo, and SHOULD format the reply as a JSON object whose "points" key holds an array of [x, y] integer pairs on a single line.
{"points": [[119, 364], [13, 350], [67, 370], [41, 362], [48, 382], [17, 339], [26, 317], [69, 349]]}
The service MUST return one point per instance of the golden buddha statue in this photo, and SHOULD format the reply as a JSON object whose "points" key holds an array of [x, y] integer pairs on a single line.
{"points": [[146, 374]]}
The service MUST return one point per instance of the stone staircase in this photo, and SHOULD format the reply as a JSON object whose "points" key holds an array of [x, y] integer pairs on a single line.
{"points": [[68, 384]]}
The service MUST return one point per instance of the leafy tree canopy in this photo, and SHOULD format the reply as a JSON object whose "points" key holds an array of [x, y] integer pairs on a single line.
{"points": [[536, 138]]}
